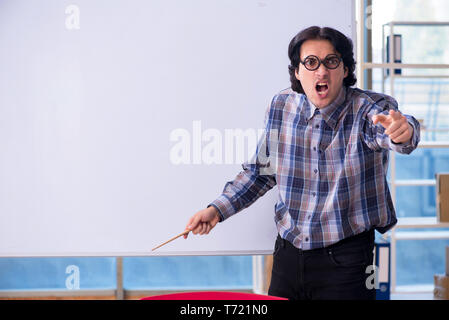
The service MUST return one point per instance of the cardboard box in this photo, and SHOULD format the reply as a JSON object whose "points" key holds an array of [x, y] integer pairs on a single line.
{"points": [[447, 261], [442, 202], [441, 289]]}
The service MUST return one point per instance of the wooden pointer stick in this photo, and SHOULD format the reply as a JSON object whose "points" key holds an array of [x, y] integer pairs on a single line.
{"points": [[179, 235]]}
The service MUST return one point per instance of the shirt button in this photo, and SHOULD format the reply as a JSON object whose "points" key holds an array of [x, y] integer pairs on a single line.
{"points": [[313, 194], [316, 170], [308, 217], [307, 239], [317, 126], [314, 148]]}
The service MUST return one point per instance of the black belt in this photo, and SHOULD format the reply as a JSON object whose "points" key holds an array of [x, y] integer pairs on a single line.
{"points": [[361, 239]]}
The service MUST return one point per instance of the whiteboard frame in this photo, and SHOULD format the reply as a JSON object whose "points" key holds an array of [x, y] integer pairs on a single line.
{"points": [[170, 253]]}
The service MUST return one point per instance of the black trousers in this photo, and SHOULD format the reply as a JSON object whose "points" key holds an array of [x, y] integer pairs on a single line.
{"points": [[337, 272]]}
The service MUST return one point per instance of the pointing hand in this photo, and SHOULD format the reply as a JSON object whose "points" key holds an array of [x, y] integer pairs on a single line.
{"points": [[396, 126]]}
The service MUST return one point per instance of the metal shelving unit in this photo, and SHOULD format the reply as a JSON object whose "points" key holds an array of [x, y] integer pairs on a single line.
{"points": [[412, 222]]}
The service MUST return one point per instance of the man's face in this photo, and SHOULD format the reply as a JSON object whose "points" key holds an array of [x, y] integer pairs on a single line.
{"points": [[322, 85]]}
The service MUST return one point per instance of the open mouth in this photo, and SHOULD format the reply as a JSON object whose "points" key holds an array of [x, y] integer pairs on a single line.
{"points": [[322, 88]]}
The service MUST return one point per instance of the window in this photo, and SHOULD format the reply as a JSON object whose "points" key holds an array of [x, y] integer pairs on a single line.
{"points": [[422, 93]]}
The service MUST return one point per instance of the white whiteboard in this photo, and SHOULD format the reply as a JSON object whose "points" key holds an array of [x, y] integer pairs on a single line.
{"points": [[86, 116]]}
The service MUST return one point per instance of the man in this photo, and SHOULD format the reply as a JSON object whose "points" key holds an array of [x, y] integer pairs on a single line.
{"points": [[332, 158]]}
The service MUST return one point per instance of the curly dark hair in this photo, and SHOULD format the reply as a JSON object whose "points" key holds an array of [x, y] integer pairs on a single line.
{"points": [[342, 44]]}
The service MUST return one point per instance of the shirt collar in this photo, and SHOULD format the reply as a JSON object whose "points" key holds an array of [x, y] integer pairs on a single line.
{"points": [[330, 113]]}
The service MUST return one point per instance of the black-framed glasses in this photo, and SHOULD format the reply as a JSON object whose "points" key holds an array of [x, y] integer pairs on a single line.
{"points": [[312, 62]]}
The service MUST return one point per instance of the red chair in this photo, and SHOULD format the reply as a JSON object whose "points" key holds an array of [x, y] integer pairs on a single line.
{"points": [[212, 295]]}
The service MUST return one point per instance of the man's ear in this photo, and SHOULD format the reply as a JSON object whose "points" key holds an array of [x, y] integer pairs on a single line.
{"points": [[346, 72], [297, 74]]}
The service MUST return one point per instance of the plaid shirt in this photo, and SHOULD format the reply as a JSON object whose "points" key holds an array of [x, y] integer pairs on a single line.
{"points": [[330, 167]]}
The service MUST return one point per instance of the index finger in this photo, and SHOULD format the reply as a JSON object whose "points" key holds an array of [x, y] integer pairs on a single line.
{"points": [[193, 222], [379, 118], [396, 115]]}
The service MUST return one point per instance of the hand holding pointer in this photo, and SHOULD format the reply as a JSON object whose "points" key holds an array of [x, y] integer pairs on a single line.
{"points": [[396, 126], [200, 223], [203, 221]]}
